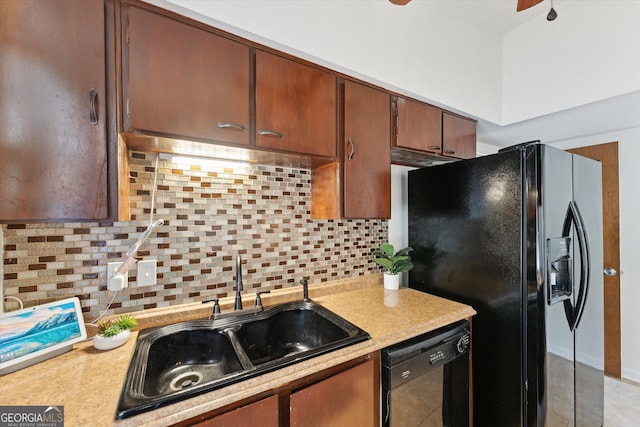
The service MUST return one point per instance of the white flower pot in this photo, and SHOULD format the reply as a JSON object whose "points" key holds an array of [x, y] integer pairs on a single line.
{"points": [[107, 343], [391, 281]]}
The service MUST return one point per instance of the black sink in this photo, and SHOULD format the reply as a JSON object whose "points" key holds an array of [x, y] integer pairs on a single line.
{"points": [[187, 358], [287, 332], [178, 361]]}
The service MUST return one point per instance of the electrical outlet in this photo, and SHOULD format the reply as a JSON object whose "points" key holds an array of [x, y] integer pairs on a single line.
{"points": [[116, 284], [147, 272]]}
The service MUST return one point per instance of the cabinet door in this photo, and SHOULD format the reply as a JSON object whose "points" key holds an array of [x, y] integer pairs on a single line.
{"points": [[183, 81], [263, 413], [458, 137], [295, 107], [53, 140], [367, 155], [345, 399], [419, 126]]}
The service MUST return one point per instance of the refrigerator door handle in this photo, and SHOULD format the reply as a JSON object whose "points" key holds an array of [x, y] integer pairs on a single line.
{"points": [[573, 217]]}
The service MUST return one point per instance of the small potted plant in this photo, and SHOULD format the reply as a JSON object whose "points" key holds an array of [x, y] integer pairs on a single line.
{"points": [[114, 333], [394, 263]]}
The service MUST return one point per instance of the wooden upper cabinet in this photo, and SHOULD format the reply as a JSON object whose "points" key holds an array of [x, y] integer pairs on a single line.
{"points": [[53, 126], [296, 107], [458, 136], [419, 126], [425, 133], [367, 162], [183, 81]]}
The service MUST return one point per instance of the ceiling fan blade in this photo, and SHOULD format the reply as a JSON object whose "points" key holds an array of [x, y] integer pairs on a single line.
{"points": [[401, 2], [526, 4]]}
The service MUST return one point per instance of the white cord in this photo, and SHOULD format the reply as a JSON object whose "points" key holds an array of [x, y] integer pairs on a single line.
{"points": [[95, 321], [153, 191], [125, 266], [15, 298]]}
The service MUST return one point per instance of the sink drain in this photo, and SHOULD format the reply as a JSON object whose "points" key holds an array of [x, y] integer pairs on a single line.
{"points": [[184, 380]]}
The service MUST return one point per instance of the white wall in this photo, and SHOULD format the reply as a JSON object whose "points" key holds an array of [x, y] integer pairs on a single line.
{"points": [[483, 149], [399, 222], [589, 53], [403, 48], [629, 153]]}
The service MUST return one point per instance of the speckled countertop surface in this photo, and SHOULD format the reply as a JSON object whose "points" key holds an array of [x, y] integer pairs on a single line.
{"points": [[88, 382]]}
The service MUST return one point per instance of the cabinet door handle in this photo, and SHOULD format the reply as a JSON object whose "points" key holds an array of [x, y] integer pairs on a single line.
{"points": [[449, 151], [265, 132], [225, 125], [93, 116], [434, 147], [353, 149]]}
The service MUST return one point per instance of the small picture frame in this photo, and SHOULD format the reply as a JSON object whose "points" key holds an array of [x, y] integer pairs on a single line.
{"points": [[34, 334]]}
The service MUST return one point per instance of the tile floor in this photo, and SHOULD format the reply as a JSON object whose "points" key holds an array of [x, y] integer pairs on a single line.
{"points": [[621, 397], [621, 403]]}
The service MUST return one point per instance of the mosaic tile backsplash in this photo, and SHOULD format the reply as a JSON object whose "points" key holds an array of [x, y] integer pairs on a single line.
{"points": [[212, 212]]}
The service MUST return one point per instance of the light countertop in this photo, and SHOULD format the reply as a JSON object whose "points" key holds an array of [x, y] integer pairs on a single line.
{"points": [[88, 382]]}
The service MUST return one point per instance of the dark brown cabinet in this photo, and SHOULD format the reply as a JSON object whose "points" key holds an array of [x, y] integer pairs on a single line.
{"points": [[263, 413], [367, 162], [53, 105], [295, 107], [425, 134], [183, 81], [345, 399], [458, 136], [419, 126]]}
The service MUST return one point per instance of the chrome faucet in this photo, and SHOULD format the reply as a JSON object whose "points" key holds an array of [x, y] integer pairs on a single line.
{"points": [[239, 287]]}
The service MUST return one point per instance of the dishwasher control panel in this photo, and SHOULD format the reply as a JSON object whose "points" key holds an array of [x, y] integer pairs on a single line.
{"points": [[417, 356]]}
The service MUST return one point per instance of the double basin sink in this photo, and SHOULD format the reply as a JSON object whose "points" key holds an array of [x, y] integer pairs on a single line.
{"points": [[181, 360]]}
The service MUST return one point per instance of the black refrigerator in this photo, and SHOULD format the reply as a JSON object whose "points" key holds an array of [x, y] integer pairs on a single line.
{"points": [[518, 236]]}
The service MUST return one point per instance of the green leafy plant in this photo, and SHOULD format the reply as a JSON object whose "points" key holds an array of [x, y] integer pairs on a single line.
{"points": [[110, 328], [394, 262]]}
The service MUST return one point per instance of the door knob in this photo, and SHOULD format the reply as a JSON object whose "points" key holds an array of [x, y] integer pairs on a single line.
{"points": [[610, 271]]}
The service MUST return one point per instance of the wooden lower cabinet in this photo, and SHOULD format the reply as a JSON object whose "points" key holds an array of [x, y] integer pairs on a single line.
{"points": [[345, 399], [263, 413], [344, 395]]}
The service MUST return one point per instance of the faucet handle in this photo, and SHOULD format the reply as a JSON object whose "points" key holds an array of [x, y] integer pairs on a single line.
{"points": [[258, 299], [216, 307], [239, 287], [305, 290]]}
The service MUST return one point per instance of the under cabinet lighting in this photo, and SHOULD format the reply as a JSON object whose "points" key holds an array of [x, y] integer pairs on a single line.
{"points": [[205, 161]]}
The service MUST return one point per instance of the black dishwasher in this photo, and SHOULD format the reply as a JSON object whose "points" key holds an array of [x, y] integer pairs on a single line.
{"points": [[425, 380]]}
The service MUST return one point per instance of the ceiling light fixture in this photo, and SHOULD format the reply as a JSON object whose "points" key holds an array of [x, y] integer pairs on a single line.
{"points": [[552, 13]]}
